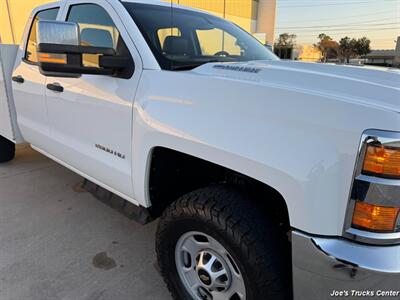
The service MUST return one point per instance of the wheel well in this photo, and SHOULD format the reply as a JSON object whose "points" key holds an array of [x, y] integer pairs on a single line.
{"points": [[174, 174]]}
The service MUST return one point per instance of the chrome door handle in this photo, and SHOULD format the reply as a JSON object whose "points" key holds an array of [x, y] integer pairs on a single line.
{"points": [[18, 79], [55, 87]]}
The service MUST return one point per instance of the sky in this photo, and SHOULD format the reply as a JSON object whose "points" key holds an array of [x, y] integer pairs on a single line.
{"points": [[378, 20]]}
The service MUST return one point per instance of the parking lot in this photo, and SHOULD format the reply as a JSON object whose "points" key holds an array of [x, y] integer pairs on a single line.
{"points": [[59, 242]]}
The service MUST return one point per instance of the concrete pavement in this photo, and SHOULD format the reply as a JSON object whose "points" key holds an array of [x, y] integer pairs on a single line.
{"points": [[59, 242]]}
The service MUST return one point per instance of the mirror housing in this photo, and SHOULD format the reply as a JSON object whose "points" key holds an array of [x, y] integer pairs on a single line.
{"points": [[60, 53], [54, 32]]}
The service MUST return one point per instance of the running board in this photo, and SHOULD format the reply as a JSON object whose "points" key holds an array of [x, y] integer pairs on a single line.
{"points": [[139, 214]]}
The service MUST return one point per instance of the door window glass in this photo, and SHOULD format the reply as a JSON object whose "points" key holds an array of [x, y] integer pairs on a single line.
{"points": [[96, 26], [97, 29], [31, 52]]}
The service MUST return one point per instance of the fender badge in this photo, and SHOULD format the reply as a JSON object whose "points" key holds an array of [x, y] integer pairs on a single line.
{"points": [[110, 151]]}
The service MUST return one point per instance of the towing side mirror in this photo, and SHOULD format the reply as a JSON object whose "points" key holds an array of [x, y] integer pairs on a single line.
{"points": [[61, 53]]}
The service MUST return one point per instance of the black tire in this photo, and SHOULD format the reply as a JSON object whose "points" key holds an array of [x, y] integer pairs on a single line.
{"points": [[255, 242], [7, 150]]}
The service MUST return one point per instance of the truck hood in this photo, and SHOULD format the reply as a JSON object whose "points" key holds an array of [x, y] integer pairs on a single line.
{"points": [[376, 87]]}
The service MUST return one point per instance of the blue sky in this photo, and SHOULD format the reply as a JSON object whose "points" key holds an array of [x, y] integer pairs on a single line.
{"points": [[379, 20]]}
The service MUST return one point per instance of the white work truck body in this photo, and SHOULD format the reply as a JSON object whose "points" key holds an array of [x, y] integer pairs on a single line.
{"points": [[294, 127]]}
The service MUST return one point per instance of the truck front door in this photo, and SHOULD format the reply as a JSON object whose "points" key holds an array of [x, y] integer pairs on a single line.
{"points": [[91, 118]]}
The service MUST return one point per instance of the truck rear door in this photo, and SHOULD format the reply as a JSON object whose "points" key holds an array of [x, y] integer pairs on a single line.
{"points": [[28, 86]]}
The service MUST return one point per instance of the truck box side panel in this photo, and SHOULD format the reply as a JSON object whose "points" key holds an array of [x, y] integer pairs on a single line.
{"points": [[8, 118]]}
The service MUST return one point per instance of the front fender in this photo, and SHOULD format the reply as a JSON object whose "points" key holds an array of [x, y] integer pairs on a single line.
{"points": [[304, 145]]}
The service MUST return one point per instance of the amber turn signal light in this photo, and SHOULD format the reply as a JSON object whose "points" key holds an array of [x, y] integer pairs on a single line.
{"points": [[382, 161], [375, 218], [52, 58]]}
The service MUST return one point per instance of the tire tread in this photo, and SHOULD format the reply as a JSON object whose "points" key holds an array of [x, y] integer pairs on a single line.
{"points": [[7, 150], [257, 237]]}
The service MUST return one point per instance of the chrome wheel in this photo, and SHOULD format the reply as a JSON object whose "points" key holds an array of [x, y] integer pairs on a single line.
{"points": [[206, 269]]}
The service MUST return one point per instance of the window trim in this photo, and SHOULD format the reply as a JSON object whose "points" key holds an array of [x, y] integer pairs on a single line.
{"points": [[24, 59]]}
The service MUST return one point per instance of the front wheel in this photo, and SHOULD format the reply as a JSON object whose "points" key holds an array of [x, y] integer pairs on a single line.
{"points": [[7, 150], [213, 244]]}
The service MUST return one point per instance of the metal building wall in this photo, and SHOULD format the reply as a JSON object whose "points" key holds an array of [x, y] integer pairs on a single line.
{"points": [[255, 16], [13, 17]]}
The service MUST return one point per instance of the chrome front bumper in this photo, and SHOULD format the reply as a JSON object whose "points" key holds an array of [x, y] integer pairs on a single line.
{"points": [[326, 268]]}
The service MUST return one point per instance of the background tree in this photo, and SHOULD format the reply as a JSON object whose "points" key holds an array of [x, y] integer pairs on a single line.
{"points": [[327, 46], [347, 48], [362, 46], [284, 45]]}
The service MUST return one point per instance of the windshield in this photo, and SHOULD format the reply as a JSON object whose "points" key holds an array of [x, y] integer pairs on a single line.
{"points": [[184, 39]]}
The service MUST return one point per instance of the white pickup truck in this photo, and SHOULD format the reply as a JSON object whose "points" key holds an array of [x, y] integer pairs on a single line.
{"points": [[272, 179]]}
